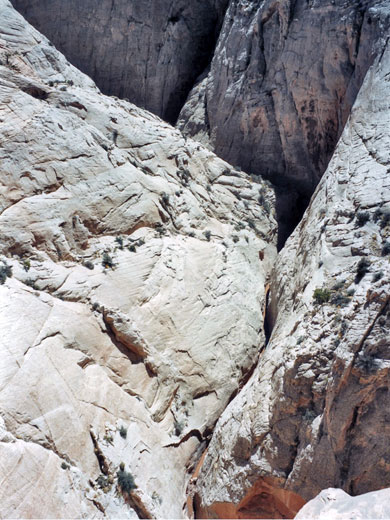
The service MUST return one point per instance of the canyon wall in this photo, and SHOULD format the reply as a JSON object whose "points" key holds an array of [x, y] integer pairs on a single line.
{"points": [[315, 413], [149, 52], [282, 82], [133, 267]]}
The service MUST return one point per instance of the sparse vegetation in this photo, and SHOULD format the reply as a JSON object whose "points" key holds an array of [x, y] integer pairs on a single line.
{"points": [[178, 427], [386, 249], [207, 234], [125, 480], [362, 269], [132, 248], [362, 218], [107, 261], [26, 265], [165, 199], [123, 432], [5, 272], [321, 296], [64, 465], [89, 265], [366, 363], [119, 241], [377, 276], [31, 283], [235, 239]]}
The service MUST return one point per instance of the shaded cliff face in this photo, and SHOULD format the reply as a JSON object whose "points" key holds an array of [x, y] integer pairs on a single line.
{"points": [[281, 85], [315, 414], [149, 52], [133, 265]]}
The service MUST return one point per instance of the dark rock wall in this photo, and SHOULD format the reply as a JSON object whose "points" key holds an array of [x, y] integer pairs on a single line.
{"points": [[147, 51]]}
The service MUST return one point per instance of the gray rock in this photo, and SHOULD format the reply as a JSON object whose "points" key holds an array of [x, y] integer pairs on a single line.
{"points": [[149, 52], [315, 414], [281, 85]]}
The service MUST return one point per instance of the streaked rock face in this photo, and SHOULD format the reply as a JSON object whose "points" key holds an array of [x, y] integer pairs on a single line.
{"points": [[150, 52], [135, 307], [316, 411], [282, 82]]}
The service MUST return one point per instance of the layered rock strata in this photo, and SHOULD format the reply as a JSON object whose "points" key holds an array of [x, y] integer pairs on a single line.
{"points": [[315, 413], [150, 52], [133, 266]]}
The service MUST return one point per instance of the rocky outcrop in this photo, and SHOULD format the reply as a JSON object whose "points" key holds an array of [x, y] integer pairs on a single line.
{"points": [[133, 267], [338, 505], [149, 52], [281, 85], [315, 412]]}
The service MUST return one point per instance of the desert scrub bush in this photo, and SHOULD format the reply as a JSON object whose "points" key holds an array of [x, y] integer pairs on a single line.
{"points": [[89, 265], [386, 249], [31, 283], [26, 265], [366, 363], [119, 241], [339, 299], [235, 239], [64, 465], [321, 296], [377, 276], [165, 199], [251, 223], [362, 269], [107, 261], [207, 234], [125, 480], [123, 432], [5, 272], [178, 427], [362, 218]]}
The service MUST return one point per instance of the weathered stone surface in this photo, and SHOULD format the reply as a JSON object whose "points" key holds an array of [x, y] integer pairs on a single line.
{"points": [[150, 52], [338, 505], [315, 414], [282, 82], [135, 306]]}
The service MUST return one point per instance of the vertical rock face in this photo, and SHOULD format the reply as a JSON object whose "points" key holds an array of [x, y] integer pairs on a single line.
{"points": [[281, 85], [150, 52], [133, 266], [315, 414]]}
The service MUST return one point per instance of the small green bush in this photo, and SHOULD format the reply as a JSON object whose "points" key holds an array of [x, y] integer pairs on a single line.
{"points": [[235, 239], [386, 249], [123, 432], [362, 269], [119, 241], [126, 481], [31, 283], [26, 265], [5, 272], [321, 296], [377, 276], [362, 218], [207, 234], [107, 261]]}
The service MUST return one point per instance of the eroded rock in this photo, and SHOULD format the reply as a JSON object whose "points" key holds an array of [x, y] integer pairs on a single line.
{"points": [[315, 412], [135, 265]]}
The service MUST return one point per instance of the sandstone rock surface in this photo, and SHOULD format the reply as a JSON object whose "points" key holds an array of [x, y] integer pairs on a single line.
{"points": [[281, 85], [315, 413], [336, 504], [133, 267], [150, 52]]}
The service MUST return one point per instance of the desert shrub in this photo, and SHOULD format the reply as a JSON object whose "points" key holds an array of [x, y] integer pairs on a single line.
{"points": [[107, 261], [119, 241], [26, 265], [5, 272], [235, 239], [89, 265], [386, 249], [251, 223], [321, 296], [362, 269], [165, 199], [126, 481], [179, 427], [132, 248], [366, 363], [362, 218], [64, 465], [207, 234], [123, 432], [377, 276], [31, 283], [340, 300]]}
